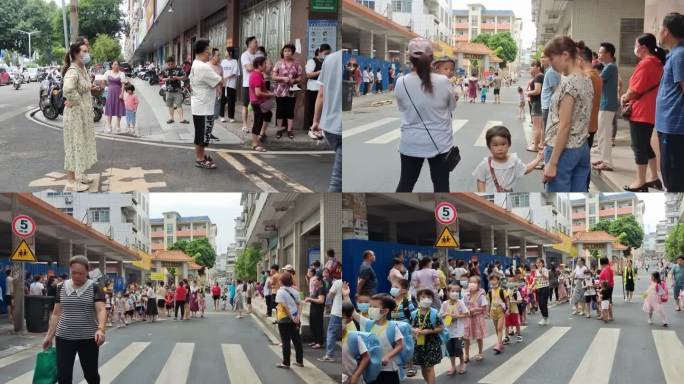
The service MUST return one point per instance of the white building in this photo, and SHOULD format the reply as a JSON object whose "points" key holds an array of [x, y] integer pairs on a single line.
{"points": [[550, 211], [596, 206], [674, 209], [124, 217], [231, 257], [660, 238]]}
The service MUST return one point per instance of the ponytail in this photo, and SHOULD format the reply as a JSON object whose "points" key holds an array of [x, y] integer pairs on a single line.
{"points": [[423, 66], [74, 49], [649, 40], [660, 53], [67, 63]]}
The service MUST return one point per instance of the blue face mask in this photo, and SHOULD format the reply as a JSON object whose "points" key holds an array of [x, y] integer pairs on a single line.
{"points": [[85, 58], [395, 291], [363, 307]]}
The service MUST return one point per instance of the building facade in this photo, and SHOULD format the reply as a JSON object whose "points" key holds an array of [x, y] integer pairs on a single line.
{"points": [[674, 209], [590, 210], [123, 217], [551, 211], [468, 23], [174, 227]]}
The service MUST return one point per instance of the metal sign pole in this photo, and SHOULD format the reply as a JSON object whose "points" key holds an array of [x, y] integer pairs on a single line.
{"points": [[18, 272]]}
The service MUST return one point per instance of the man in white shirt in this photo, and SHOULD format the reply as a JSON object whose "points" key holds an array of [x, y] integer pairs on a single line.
{"points": [[366, 80], [246, 61], [203, 82], [329, 113], [313, 70], [36, 288], [335, 323], [231, 70]]}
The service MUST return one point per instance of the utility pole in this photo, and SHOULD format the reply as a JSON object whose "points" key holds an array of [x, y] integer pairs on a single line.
{"points": [[18, 272], [73, 17], [29, 36], [66, 31]]}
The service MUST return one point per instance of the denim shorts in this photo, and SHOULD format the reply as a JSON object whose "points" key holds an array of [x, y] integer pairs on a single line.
{"points": [[572, 170], [130, 118]]}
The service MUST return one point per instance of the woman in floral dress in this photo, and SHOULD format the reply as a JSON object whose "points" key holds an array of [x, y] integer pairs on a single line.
{"points": [[286, 73], [79, 128], [475, 326]]}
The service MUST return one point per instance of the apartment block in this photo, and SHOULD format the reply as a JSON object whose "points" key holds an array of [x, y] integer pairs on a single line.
{"points": [[468, 23], [591, 209], [174, 227]]}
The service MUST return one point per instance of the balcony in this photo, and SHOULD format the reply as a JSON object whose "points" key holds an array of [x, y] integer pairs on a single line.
{"points": [[157, 247], [462, 38], [487, 26], [157, 234], [612, 212], [579, 228], [187, 233], [504, 26], [579, 215], [461, 25]]}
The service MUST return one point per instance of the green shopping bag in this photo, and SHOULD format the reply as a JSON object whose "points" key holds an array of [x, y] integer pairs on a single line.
{"points": [[46, 367]]}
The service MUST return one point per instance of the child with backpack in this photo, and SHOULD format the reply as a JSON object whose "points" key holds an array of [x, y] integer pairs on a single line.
{"points": [[402, 312], [475, 327], [427, 328], [656, 296], [513, 317], [453, 314], [589, 292], [363, 303], [498, 308], [356, 357]]}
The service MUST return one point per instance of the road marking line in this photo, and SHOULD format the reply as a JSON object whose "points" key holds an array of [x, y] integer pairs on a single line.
{"points": [[112, 368], [670, 352], [481, 140], [256, 180], [388, 137], [445, 364], [26, 378], [516, 366], [11, 359], [366, 127], [310, 373], [177, 366], [280, 175], [597, 362], [457, 124], [238, 365]]}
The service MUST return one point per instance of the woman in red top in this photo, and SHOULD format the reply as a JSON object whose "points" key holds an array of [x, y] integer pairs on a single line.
{"points": [[641, 95], [181, 296]]}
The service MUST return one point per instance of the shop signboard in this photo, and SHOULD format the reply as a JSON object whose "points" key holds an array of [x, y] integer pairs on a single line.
{"points": [[149, 14], [325, 6], [321, 32]]}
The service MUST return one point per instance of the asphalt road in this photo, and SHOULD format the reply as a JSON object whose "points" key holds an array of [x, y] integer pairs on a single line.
{"points": [[216, 349], [32, 157], [579, 350], [371, 142]]}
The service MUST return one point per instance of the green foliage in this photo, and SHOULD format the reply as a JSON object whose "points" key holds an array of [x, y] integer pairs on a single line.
{"points": [[538, 54], [624, 228], [199, 249], [246, 263], [99, 17], [501, 43], [172, 271], [595, 253], [674, 244], [105, 48]]}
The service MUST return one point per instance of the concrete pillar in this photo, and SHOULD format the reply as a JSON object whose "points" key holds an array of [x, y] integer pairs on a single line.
{"points": [[185, 270], [354, 207], [580, 252], [102, 264], [609, 251], [64, 253], [381, 46], [366, 43], [299, 255], [233, 25], [487, 239], [460, 61], [121, 270], [540, 252], [157, 266], [501, 239], [523, 250], [486, 64]]}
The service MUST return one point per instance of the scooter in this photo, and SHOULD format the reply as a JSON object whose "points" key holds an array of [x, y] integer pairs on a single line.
{"points": [[51, 102], [18, 79]]}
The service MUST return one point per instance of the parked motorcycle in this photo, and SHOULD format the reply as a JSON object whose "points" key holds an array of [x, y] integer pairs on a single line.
{"points": [[51, 100], [98, 107], [153, 77]]}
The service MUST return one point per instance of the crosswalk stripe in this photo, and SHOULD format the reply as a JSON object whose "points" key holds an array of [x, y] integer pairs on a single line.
{"points": [[26, 378], [114, 366], [516, 366], [388, 137], [11, 359], [482, 139], [238, 365], [280, 175], [256, 180], [597, 362], [670, 351], [177, 366], [457, 124], [366, 127]]}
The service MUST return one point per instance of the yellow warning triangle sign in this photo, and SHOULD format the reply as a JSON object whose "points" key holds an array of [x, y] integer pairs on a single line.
{"points": [[446, 239], [23, 253]]}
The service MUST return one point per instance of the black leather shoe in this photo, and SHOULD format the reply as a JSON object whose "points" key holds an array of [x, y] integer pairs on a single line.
{"points": [[655, 184], [643, 188]]}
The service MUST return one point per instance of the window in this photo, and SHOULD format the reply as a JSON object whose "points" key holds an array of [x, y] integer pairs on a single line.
{"points": [[368, 3], [69, 211], [402, 6], [630, 29], [169, 228], [592, 220], [98, 215], [520, 199], [592, 209], [169, 240]]}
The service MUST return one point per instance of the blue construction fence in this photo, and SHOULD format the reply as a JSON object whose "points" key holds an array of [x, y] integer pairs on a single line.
{"points": [[385, 253], [30, 269], [375, 64]]}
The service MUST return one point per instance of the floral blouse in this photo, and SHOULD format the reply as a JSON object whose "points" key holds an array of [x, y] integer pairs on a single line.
{"points": [[579, 87], [282, 69]]}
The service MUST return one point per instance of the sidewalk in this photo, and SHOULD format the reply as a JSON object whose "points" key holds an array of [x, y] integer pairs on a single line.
{"points": [[151, 120], [623, 161]]}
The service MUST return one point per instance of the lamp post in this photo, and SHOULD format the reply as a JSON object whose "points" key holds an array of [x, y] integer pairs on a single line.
{"points": [[29, 35]]}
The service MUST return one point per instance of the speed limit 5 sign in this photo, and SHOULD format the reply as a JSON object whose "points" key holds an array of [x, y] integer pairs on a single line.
{"points": [[445, 213], [23, 226]]}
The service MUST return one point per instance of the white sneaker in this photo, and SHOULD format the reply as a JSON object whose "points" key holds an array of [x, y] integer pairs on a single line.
{"points": [[650, 321], [546, 321], [231, 120], [573, 312], [541, 322], [223, 120]]}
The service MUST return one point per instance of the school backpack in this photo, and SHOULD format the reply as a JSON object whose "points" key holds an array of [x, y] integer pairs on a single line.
{"points": [[664, 296], [444, 335], [501, 295], [406, 354], [374, 352]]}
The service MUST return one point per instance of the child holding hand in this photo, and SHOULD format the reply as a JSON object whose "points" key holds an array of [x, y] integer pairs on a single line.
{"points": [[453, 314]]}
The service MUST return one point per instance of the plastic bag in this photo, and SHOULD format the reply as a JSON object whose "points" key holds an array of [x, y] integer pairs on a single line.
{"points": [[46, 367]]}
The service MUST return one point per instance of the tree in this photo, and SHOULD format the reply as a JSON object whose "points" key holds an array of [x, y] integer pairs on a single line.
{"points": [[246, 263], [501, 43], [624, 228], [674, 244], [199, 249], [99, 17], [105, 48]]}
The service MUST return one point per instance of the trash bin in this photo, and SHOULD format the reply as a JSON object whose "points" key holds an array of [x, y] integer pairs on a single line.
{"points": [[347, 94], [37, 312]]}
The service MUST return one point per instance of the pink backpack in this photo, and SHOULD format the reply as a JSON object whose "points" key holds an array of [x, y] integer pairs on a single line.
{"points": [[664, 295]]}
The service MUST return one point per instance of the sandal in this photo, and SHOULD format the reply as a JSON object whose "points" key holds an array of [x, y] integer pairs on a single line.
{"points": [[410, 372], [259, 148], [290, 134], [206, 164], [283, 366], [279, 133], [532, 148], [301, 365], [596, 162], [184, 122], [479, 357], [462, 369], [603, 167], [169, 121], [451, 372], [262, 138]]}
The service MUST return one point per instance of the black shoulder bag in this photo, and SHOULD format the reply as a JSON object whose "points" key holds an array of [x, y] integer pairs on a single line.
{"points": [[453, 157]]}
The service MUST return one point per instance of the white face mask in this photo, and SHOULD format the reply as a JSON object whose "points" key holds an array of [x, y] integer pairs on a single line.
{"points": [[425, 303], [453, 295], [374, 313]]}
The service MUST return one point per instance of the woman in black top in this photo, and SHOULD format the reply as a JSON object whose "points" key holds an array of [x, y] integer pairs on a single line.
{"points": [[629, 275], [77, 323], [316, 311]]}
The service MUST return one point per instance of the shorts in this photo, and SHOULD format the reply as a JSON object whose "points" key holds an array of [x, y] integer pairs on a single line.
{"points": [[161, 303], [259, 118], [285, 108], [589, 298], [454, 347], [536, 108], [512, 320], [522, 104], [605, 304], [496, 312], [8, 299], [245, 97], [249, 301], [129, 313], [203, 127], [496, 91], [215, 297], [174, 99], [521, 307], [169, 305], [676, 290], [608, 294], [130, 118]]}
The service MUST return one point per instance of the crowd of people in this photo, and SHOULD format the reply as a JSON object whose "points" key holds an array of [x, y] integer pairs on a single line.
{"points": [[432, 313], [574, 96]]}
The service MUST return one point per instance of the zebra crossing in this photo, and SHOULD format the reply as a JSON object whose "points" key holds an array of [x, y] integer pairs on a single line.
{"points": [[595, 361], [235, 364]]}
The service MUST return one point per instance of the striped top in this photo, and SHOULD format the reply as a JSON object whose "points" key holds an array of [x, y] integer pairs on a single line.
{"points": [[78, 319]]}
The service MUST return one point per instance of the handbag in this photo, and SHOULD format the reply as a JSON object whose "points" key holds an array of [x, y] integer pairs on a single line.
{"points": [[626, 110], [45, 371], [495, 180], [453, 157]]}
